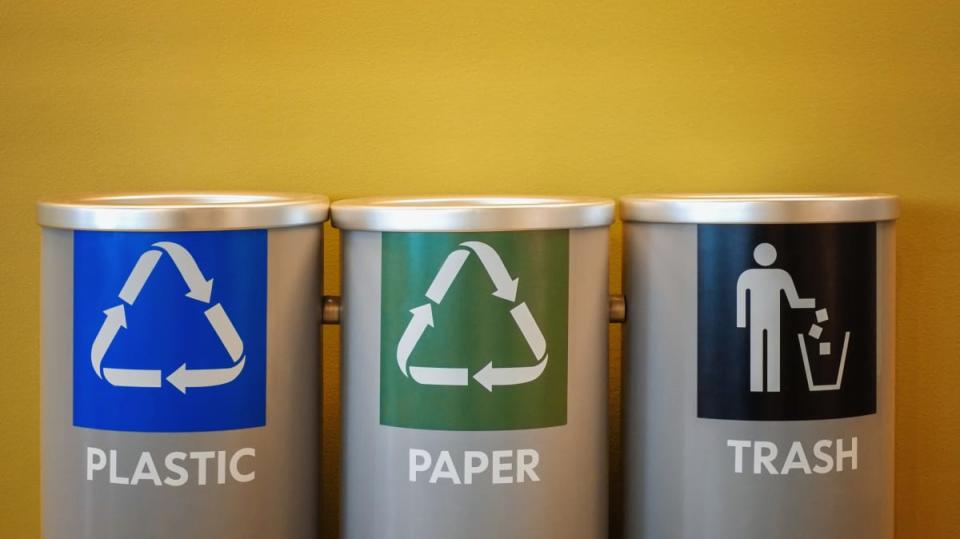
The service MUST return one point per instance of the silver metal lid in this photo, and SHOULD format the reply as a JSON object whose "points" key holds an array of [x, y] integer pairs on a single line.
{"points": [[760, 208], [471, 213], [183, 211]]}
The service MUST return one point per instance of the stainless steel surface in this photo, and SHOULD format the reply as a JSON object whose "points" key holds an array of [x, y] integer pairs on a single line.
{"points": [[759, 208], [183, 211], [570, 498], [471, 213], [282, 500], [679, 475]]}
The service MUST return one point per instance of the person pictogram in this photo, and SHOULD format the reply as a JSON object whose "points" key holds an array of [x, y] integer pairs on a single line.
{"points": [[758, 304]]}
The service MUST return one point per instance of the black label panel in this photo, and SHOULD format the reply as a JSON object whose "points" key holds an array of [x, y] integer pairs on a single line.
{"points": [[786, 321]]}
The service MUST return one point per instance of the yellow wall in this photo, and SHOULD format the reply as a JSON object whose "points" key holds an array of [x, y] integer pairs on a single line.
{"points": [[420, 96]]}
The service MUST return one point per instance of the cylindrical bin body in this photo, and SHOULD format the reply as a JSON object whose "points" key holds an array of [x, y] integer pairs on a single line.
{"points": [[474, 367], [758, 386], [180, 365]]}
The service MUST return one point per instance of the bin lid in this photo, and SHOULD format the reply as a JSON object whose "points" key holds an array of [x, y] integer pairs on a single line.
{"points": [[760, 208], [471, 213], [183, 211]]}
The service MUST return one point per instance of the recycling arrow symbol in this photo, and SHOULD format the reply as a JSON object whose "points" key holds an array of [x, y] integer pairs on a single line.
{"points": [[505, 289], [200, 290]]}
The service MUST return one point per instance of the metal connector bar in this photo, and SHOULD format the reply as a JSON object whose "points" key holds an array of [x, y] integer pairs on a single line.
{"points": [[618, 310], [330, 310]]}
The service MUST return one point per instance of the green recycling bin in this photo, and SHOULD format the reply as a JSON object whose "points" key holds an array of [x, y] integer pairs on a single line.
{"points": [[474, 366]]}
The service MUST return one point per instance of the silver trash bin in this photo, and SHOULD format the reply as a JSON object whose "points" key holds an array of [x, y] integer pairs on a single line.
{"points": [[180, 368], [759, 366], [474, 374]]}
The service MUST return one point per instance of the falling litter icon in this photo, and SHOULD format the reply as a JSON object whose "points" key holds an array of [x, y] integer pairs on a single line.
{"points": [[505, 289], [815, 332], [200, 290]]}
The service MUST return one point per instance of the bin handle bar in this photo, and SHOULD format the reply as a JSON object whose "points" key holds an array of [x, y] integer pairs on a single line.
{"points": [[330, 309]]}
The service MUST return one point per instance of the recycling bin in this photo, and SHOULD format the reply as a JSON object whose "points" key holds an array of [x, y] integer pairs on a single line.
{"points": [[180, 365], [759, 359], [474, 377]]}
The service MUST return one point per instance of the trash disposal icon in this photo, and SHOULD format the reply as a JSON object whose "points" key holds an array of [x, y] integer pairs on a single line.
{"points": [[824, 348], [506, 289], [200, 290], [758, 298]]}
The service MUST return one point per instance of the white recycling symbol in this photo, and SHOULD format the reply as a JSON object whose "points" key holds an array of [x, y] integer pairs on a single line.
{"points": [[506, 289], [201, 289]]}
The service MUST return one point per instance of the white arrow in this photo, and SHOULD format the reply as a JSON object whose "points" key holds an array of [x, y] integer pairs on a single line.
{"points": [[490, 376], [116, 319], [422, 317], [530, 330], [448, 272], [506, 285], [138, 277], [132, 377], [184, 378], [200, 287], [226, 331], [440, 376]]}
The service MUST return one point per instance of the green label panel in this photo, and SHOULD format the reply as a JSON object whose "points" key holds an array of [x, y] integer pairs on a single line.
{"points": [[474, 330]]}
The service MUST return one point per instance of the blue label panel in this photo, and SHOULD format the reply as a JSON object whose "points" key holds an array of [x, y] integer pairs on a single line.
{"points": [[169, 330]]}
